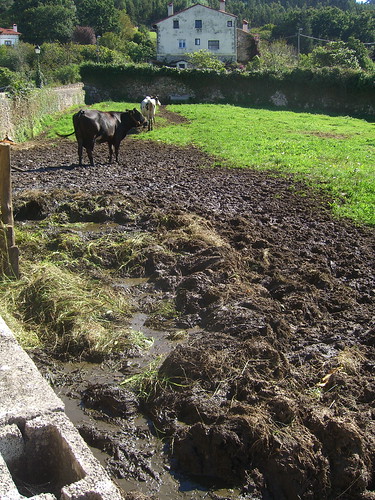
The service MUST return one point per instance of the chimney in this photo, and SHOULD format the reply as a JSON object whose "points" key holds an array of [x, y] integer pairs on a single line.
{"points": [[170, 9], [245, 25], [15, 27], [222, 5]]}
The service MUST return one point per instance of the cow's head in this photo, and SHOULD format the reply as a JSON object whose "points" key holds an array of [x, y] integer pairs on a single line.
{"points": [[136, 116], [156, 99]]}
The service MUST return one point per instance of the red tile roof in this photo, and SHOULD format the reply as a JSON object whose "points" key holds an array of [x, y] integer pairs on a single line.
{"points": [[8, 31]]}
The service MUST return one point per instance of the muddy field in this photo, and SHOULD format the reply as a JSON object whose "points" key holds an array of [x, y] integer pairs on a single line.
{"points": [[270, 394]]}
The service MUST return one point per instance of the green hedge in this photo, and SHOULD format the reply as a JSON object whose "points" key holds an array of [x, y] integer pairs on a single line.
{"points": [[343, 89]]}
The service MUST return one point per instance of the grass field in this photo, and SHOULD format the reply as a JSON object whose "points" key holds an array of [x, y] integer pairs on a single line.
{"points": [[335, 153]]}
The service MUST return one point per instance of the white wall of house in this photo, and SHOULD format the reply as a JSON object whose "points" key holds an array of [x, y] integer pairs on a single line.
{"points": [[195, 28], [9, 36]]}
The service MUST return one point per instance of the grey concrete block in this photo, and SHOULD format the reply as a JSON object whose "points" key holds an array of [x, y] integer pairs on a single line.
{"points": [[12, 444], [41, 452], [24, 392]]}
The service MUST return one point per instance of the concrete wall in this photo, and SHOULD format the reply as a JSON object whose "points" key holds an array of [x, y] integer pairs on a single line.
{"points": [[41, 452]]}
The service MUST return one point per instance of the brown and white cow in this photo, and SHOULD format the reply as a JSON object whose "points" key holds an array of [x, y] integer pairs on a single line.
{"points": [[148, 109]]}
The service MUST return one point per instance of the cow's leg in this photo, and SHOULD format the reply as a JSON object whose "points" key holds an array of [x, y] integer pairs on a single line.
{"points": [[110, 153], [80, 153], [90, 155], [117, 147], [89, 149]]}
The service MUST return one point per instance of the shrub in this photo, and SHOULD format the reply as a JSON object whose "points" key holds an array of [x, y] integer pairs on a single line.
{"points": [[84, 35], [203, 59], [67, 74], [332, 54], [276, 56], [6, 77]]}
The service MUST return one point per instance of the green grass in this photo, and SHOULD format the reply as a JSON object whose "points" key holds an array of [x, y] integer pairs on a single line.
{"points": [[334, 153]]}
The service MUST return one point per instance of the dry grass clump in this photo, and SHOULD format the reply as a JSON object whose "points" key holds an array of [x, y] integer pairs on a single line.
{"points": [[190, 227], [68, 313]]}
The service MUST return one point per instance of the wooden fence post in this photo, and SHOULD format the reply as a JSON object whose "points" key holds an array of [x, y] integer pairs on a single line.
{"points": [[9, 253]]}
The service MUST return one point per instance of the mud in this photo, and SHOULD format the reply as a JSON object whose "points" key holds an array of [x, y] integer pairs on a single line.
{"points": [[271, 392]]}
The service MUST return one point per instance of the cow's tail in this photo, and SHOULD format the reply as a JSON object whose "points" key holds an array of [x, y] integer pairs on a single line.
{"points": [[80, 112], [65, 135]]}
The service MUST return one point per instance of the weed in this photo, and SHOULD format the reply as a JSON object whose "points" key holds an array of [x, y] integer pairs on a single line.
{"points": [[140, 340], [150, 381], [315, 392], [165, 309]]}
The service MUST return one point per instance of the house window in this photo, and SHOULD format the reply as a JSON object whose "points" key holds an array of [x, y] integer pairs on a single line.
{"points": [[181, 65], [198, 24], [8, 42], [176, 23], [197, 41], [182, 44], [213, 45], [229, 24]]}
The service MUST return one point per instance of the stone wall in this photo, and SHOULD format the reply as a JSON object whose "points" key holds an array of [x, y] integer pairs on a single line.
{"points": [[17, 115]]}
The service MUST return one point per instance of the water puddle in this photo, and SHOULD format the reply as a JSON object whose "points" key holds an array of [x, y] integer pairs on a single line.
{"points": [[135, 433]]}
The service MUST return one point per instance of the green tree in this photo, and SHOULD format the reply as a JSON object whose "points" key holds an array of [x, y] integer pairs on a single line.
{"points": [[5, 13], [362, 54], [99, 14], [329, 23], [332, 54], [113, 41], [125, 25], [276, 56], [45, 20], [203, 59]]}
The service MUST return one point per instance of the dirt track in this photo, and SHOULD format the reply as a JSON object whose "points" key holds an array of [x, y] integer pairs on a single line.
{"points": [[274, 392]]}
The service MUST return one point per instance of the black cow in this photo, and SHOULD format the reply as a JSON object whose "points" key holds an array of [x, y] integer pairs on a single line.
{"points": [[91, 125]]}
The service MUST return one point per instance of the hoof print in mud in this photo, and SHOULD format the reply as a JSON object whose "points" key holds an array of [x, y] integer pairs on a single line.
{"points": [[110, 400]]}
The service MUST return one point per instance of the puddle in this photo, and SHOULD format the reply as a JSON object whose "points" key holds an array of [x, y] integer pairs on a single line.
{"points": [[134, 432], [167, 484]]}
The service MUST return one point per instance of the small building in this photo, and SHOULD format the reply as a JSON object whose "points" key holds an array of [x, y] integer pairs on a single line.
{"points": [[195, 28], [9, 36], [247, 44]]}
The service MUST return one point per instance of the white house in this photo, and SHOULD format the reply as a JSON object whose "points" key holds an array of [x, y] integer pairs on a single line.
{"points": [[9, 36], [195, 28]]}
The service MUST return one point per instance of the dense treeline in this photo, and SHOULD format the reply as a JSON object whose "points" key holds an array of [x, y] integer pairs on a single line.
{"points": [[55, 20], [72, 32]]}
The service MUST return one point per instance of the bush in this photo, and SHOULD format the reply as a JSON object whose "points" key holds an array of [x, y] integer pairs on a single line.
{"points": [[20, 58], [351, 55], [203, 59], [6, 77], [14, 84], [101, 54], [67, 74], [276, 56]]}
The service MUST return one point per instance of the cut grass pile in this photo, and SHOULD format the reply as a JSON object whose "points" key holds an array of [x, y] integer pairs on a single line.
{"points": [[61, 310]]}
